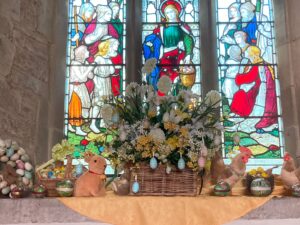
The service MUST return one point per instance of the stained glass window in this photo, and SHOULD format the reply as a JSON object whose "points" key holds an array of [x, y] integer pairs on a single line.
{"points": [[171, 34], [248, 80], [95, 66]]}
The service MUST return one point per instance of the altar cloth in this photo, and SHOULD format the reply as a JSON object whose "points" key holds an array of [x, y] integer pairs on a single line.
{"points": [[147, 210]]}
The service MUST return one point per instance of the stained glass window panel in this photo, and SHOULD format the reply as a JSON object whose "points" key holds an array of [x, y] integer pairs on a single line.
{"points": [[171, 34], [95, 66], [248, 80]]}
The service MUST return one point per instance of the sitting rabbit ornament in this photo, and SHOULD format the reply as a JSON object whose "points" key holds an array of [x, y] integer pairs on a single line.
{"points": [[92, 182]]}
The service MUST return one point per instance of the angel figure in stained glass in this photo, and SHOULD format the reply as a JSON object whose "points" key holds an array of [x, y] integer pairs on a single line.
{"points": [[255, 24], [229, 87], [228, 34], [171, 43], [79, 102], [106, 50]]}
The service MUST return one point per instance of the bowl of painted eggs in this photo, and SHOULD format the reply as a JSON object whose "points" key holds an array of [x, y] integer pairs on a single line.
{"points": [[222, 188], [39, 191], [65, 188]]}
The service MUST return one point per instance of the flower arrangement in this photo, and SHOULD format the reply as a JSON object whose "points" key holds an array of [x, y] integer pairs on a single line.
{"points": [[177, 130]]}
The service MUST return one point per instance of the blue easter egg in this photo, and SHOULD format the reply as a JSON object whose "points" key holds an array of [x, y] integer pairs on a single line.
{"points": [[135, 187], [181, 164], [28, 175], [9, 152], [153, 163], [50, 174], [79, 169]]}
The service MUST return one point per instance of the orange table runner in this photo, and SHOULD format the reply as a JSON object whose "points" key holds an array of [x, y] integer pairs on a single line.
{"points": [[144, 210]]}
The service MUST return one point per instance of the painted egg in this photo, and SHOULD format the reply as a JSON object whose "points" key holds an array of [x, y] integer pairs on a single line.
{"points": [[20, 172], [28, 166], [222, 189], [5, 190], [65, 188], [25, 158], [296, 190], [79, 169], [28, 175], [15, 157], [181, 164], [2, 151], [21, 151], [4, 158], [204, 152], [8, 143], [153, 163], [12, 163], [135, 187], [168, 169], [2, 144], [9, 152], [14, 145], [25, 180], [260, 187], [3, 184], [20, 164], [201, 162]]}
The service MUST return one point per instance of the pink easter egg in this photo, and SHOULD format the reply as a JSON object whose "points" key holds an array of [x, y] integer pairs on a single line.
{"points": [[201, 162], [20, 164]]}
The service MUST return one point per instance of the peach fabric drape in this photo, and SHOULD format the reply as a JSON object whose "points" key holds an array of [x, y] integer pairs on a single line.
{"points": [[131, 210]]}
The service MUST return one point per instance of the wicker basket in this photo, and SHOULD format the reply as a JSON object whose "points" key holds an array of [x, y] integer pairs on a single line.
{"points": [[158, 182], [50, 184]]}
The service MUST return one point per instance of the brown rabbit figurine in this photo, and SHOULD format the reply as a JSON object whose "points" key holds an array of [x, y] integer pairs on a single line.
{"points": [[92, 182]]}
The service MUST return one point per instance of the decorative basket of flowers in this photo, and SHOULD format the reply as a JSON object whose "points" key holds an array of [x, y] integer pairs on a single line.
{"points": [[165, 140], [54, 171], [260, 182]]}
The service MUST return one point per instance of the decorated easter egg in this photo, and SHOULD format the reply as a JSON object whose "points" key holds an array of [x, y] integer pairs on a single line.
{"points": [[9, 152], [12, 163], [25, 180], [2, 151], [135, 187], [65, 188], [28, 175], [201, 162], [25, 158], [21, 151], [168, 169], [260, 187], [3, 184], [79, 169], [296, 190], [15, 157], [20, 164], [222, 188], [181, 164], [153, 163], [28, 166], [20, 172], [5, 190], [4, 158]]}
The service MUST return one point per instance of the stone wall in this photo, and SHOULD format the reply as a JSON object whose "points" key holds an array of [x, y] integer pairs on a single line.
{"points": [[288, 44], [26, 80]]}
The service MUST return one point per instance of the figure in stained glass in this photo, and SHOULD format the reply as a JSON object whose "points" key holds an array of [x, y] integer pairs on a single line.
{"points": [[228, 34], [79, 101], [96, 30], [257, 34], [171, 43], [229, 86], [247, 72], [107, 48]]}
